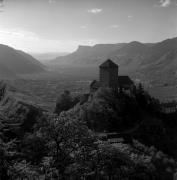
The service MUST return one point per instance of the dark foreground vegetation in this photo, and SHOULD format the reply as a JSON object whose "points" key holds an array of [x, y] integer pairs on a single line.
{"points": [[73, 143]]}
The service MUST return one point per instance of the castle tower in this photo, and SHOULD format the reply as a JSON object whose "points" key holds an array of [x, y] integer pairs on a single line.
{"points": [[109, 74]]}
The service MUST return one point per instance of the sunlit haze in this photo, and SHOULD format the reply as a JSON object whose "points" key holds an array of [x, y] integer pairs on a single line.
{"points": [[61, 25]]}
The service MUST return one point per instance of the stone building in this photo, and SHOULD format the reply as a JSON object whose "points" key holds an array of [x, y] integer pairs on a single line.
{"points": [[108, 77], [109, 74]]}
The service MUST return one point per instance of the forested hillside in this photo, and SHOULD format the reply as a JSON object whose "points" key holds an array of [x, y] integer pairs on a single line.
{"points": [[75, 142]]}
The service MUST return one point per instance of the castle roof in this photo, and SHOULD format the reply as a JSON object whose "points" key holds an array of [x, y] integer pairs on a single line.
{"points": [[125, 80], [109, 64]]}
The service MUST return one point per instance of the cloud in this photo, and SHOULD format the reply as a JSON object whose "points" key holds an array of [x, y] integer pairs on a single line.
{"points": [[51, 1], [83, 27], [32, 42], [1, 3], [166, 3], [114, 26], [95, 11], [89, 42], [130, 16], [18, 33]]}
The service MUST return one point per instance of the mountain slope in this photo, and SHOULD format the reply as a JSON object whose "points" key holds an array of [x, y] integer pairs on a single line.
{"points": [[31, 59], [151, 61], [6, 72], [87, 55], [45, 57], [18, 62], [160, 61], [130, 57]]}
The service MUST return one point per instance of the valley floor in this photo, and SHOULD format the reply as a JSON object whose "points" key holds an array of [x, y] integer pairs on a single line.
{"points": [[46, 88], [46, 92]]}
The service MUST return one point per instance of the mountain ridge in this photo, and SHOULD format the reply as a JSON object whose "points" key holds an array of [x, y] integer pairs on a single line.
{"points": [[146, 61]]}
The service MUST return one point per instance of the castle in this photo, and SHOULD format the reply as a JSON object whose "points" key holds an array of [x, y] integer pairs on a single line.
{"points": [[108, 77]]}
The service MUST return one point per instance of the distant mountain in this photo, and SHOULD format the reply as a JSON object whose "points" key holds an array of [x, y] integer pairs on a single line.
{"points": [[151, 61], [87, 55], [14, 62], [45, 57], [32, 59], [160, 61]]}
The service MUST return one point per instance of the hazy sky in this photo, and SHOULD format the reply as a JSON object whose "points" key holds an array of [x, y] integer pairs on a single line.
{"points": [[62, 25]]}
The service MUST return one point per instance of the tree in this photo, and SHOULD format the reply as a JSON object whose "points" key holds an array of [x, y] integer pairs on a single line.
{"points": [[33, 148], [111, 112], [23, 170], [67, 138], [64, 102], [7, 153], [109, 163]]}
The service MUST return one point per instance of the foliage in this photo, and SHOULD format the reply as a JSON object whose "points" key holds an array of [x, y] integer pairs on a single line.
{"points": [[111, 112], [147, 102], [33, 148], [67, 137], [64, 102], [7, 155], [23, 170]]}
